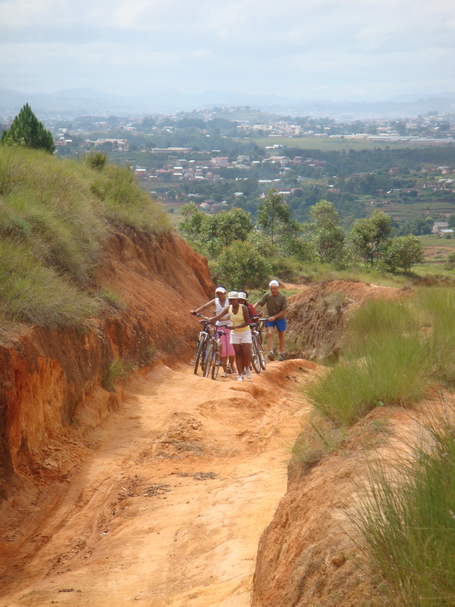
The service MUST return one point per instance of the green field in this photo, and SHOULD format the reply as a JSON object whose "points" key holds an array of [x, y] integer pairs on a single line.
{"points": [[433, 240], [326, 144], [402, 211]]}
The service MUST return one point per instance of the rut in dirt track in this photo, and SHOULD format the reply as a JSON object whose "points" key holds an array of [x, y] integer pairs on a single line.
{"points": [[170, 506]]}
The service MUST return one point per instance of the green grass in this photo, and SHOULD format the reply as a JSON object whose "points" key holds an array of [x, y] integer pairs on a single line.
{"points": [[54, 217], [407, 518], [436, 241], [117, 371], [391, 353]]}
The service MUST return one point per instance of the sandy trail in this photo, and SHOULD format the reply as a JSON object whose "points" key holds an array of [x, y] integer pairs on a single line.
{"points": [[170, 506]]}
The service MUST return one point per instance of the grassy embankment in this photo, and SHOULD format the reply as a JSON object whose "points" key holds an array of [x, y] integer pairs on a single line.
{"points": [[54, 216], [395, 353]]}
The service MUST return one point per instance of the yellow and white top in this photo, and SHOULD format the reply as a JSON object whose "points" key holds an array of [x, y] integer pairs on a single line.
{"points": [[238, 319]]}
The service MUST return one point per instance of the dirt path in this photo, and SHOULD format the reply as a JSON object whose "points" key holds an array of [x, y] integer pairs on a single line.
{"points": [[169, 508]]}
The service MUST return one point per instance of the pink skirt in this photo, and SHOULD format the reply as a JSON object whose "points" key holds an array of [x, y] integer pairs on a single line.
{"points": [[227, 349]]}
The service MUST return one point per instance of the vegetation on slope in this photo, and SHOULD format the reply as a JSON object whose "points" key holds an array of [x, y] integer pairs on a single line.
{"points": [[407, 519], [54, 216], [393, 352]]}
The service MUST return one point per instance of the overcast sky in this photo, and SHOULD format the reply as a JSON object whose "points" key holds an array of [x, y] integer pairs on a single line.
{"points": [[318, 49]]}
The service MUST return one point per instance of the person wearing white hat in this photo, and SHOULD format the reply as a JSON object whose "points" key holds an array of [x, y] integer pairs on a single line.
{"points": [[221, 304], [240, 334], [276, 311]]}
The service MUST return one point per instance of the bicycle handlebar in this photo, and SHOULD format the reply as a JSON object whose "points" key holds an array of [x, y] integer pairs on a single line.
{"points": [[208, 322]]}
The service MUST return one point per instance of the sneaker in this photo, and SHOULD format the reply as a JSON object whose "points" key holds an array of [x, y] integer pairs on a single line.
{"points": [[281, 356], [240, 378], [223, 375], [248, 374], [271, 355]]}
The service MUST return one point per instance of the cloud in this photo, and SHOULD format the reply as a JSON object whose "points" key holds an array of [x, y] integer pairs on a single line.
{"points": [[302, 47]]}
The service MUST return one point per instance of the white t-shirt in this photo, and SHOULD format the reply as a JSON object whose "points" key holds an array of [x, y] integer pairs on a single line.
{"points": [[225, 320]]}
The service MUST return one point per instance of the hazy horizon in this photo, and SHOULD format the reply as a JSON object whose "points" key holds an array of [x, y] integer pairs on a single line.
{"points": [[335, 50]]}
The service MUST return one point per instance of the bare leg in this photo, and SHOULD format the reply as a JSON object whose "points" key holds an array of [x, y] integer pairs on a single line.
{"points": [[281, 339], [270, 338], [232, 361], [239, 358], [246, 348]]}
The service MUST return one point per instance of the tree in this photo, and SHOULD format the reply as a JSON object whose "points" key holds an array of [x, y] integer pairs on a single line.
{"points": [[403, 252], [327, 233], [370, 237], [233, 225], [242, 267], [193, 219], [274, 217], [26, 130]]}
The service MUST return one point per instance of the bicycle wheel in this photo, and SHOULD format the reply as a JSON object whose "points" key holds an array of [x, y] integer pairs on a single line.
{"points": [[255, 361], [208, 360], [262, 358], [216, 364], [262, 338], [199, 353]]}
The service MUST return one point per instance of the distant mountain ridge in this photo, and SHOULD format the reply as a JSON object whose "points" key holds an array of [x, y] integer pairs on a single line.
{"points": [[76, 102]]}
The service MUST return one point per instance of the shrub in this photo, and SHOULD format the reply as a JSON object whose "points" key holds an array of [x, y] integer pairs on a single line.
{"points": [[241, 266], [96, 160]]}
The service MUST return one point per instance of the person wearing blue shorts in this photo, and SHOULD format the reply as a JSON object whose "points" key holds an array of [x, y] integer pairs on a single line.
{"points": [[276, 311]]}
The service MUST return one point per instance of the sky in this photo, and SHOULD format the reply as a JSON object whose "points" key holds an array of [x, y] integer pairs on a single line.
{"points": [[361, 50]]}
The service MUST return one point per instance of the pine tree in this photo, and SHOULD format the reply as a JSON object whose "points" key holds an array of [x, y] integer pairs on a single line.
{"points": [[28, 131]]}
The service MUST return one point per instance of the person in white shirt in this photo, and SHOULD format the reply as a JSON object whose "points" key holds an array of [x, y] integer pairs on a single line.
{"points": [[221, 303]]}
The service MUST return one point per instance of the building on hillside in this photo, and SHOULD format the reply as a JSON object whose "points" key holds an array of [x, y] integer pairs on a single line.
{"points": [[118, 145], [438, 226], [220, 161]]}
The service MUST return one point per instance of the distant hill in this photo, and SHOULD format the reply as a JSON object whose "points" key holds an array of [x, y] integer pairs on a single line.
{"points": [[76, 102]]}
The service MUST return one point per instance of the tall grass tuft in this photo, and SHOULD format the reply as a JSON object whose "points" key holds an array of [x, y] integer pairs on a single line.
{"points": [[407, 518], [385, 361], [54, 216], [30, 292], [125, 203], [435, 308]]}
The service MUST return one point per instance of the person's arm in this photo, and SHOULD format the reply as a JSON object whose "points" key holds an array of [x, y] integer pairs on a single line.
{"points": [[223, 312], [277, 316], [261, 302], [204, 307], [281, 313]]}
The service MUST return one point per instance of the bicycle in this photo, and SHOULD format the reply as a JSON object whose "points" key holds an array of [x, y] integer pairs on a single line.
{"points": [[258, 359], [212, 361], [201, 347], [262, 337]]}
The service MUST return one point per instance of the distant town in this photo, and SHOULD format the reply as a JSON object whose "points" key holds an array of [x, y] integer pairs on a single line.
{"points": [[231, 157]]}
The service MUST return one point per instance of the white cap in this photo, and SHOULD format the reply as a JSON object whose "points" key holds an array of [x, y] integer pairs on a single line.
{"points": [[233, 295], [220, 290], [274, 283], [242, 295]]}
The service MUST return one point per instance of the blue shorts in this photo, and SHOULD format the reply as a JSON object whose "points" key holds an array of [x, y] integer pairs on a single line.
{"points": [[280, 324]]}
